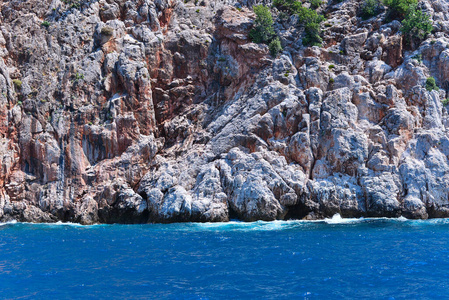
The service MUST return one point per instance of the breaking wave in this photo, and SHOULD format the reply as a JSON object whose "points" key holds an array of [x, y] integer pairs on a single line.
{"points": [[236, 225]]}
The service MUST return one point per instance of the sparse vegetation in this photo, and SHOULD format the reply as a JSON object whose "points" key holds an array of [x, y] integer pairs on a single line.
{"points": [[307, 17], [275, 47], [311, 21], [331, 67], [77, 76], [397, 9], [331, 80], [17, 83], [431, 85], [369, 9], [283, 16], [417, 57], [263, 31], [416, 25], [73, 3], [289, 6], [45, 24], [445, 101], [315, 3]]}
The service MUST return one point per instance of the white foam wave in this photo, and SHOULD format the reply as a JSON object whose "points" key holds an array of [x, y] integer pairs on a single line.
{"points": [[8, 223], [245, 226], [337, 219], [56, 224], [255, 226], [282, 225], [71, 224]]}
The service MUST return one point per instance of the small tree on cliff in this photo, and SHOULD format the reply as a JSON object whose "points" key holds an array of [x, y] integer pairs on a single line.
{"points": [[397, 9], [263, 31], [275, 47], [311, 21], [370, 8], [416, 26]]}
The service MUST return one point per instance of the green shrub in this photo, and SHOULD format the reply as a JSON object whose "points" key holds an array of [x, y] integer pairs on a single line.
{"points": [[331, 80], [290, 6], [315, 3], [311, 20], [73, 3], [275, 47], [445, 101], [418, 57], [17, 83], [416, 25], [307, 15], [397, 9], [45, 24], [262, 31], [331, 67], [431, 85], [370, 8], [312, 35], [77, 77], [283, 16]]}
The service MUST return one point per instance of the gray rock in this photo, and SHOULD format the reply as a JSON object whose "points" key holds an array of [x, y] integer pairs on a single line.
{"points": [[165, 111]]}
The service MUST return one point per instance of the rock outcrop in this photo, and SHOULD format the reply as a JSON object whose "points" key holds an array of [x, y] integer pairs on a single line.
{"points": [[165, 111]]}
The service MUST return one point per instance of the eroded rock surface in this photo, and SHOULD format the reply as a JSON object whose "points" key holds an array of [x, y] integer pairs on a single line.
{"points": [[165, 111]]}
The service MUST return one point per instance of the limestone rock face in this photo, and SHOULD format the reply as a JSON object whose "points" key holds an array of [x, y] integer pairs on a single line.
{"points": [[165, 111]]}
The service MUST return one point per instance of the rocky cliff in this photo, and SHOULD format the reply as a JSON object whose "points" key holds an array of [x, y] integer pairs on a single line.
{"points": [[164, 111]]}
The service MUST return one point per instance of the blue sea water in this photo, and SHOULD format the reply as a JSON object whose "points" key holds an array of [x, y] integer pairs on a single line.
{"points": [[332, 259]]}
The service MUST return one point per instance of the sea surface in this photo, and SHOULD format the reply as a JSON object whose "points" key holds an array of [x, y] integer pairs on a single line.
{"points": [[331, 259]]}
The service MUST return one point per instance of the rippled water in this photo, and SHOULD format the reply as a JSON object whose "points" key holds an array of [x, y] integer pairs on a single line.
{"points": [[332, 259]]}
